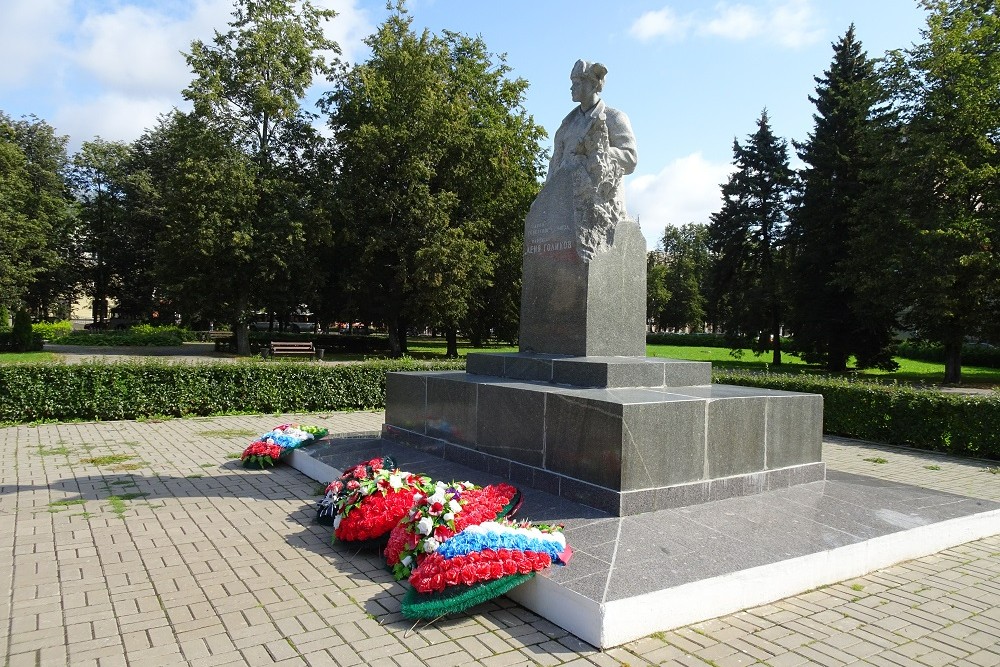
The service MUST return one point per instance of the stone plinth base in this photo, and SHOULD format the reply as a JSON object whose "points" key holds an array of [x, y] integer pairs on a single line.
{"points": [[572, 305], [607, 372], [622, 450]]}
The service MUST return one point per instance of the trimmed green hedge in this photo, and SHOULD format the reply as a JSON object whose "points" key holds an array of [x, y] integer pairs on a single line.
{"points": [[127, 390], [146, 337], [7, 343], [922, 418], [967, 425], [987, 356]]}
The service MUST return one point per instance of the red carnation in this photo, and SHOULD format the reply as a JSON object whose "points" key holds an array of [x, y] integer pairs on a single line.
{"points": [[359, 472], [353, 485]]}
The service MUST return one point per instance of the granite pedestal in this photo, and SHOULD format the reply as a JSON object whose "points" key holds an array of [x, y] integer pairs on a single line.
{"points": [[622, 434], [632, 576]]}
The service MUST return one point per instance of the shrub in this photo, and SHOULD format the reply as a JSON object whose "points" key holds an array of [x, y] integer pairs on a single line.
{"points": [[7, 342], [51, 330], [895, 414], [127, 390], [144, 337], [22, 339], [973, 354]]}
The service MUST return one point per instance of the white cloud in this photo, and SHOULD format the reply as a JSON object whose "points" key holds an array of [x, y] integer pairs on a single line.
{"points": [[136, 51], [686, 190], [349, 28], [660, 23], [111, 116], [737, 22], [133, 52], [795, 24], [29, 38], [790, 23]]}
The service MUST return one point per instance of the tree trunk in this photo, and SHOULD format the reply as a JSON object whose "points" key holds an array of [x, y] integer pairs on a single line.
{"points": [[241, 327], [836, 358], [451, 335], [401, 325], [836, 363], [953, 361], [776, 343], [242, 331], [395, 348]]}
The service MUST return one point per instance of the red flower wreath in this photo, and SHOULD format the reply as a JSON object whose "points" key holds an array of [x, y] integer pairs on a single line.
{"points": [[262, 453], [375, 515], [435, 573], [409, 544]]}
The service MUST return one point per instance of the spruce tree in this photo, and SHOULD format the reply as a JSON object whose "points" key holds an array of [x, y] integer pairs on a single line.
{"points": [[748, 237], [839, 185]]}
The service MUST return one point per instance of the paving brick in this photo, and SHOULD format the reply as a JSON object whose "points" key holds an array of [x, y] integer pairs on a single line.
{"points": [[199, 558]]}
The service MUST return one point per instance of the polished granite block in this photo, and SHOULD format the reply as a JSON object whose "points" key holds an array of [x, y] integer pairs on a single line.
{"points": [[735, 441], [512, 365], [601, 372], [663, 444], [794, 430], [406, 400], [511, 423], [583, 439], [451, 408], [634, 575], [624, 450], [680, 373], [610, 372]]}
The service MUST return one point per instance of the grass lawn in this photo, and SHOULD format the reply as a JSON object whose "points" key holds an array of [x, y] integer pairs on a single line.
{"points": [[21, 357], [435, 348], [910, 370]]}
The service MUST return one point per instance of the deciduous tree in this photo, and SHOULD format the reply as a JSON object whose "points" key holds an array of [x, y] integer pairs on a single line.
{"points": [[947, 90], [433, 127], [41, 261], [247, 91]]}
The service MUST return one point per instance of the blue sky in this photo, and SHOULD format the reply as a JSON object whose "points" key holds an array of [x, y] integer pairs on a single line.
{"points": [[691, 75]]}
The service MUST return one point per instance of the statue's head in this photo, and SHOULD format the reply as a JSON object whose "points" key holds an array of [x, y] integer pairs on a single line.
{"points": [[587, 79]]}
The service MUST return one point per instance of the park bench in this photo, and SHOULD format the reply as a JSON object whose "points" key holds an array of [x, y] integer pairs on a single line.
{"points": [[293, 347]]}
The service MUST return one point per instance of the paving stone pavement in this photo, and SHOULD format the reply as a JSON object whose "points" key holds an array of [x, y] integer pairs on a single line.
{"points": [[138, 543]]}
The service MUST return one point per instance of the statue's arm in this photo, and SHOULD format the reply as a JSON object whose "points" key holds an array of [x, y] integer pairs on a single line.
{"points": [[622, 141]]}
